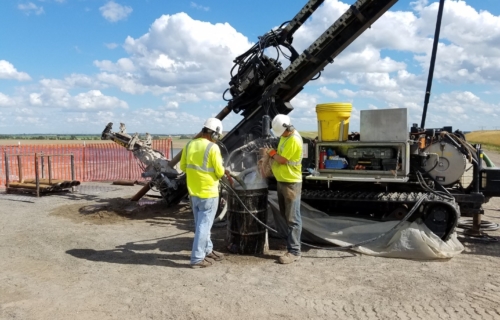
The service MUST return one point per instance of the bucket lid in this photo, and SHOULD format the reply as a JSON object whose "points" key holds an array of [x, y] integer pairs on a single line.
{"points": [[336, 106]]}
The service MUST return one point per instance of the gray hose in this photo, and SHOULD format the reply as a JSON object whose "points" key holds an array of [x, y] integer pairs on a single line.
{"points": [[239, 180], [221, 215], [250, 144], [396, 227]]}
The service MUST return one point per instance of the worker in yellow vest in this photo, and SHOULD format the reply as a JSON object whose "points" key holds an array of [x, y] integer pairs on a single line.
{"points": [[201, 160], [287, 169]]}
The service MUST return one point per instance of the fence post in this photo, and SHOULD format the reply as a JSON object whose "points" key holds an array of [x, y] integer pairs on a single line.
{"points": [[20, 165], [72, 171], [42, 166], [49, 163], [37, 179], [171, 149], [7, 173], [84, 173], [130, 165]]}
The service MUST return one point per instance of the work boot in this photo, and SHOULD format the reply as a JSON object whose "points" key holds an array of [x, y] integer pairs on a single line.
{"points": [[202, 264], [215, 255], [288, 258]]}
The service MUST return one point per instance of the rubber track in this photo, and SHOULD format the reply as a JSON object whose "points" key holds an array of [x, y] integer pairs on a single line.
{"points": [[408, 198]]}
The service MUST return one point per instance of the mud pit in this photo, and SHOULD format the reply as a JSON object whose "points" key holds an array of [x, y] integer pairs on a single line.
{"points": [[92, 256], [118, 210]]}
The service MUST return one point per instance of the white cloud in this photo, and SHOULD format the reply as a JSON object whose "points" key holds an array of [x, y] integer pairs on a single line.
{"points": [[375, 67], [199, 7], [171, 105], [177, 53], [105, 114], [327, 92], [84, 119], [94, 99], [78, 118], [174, 121], [111, 45], [130, 83], [460, 102], [122, 65], [181, 67], [29, 8], [6, 101], [114, 12], [55, 94], [29, 120], [7, 71], [347, 93], [466, 54], [81, 81]]}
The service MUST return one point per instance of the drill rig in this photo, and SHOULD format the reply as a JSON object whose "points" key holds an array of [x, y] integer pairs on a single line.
{"points": [[389, 169], [155, 166]]}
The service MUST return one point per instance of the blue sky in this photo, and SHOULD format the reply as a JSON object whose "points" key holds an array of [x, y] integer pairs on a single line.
{"points": [[72, 66]]}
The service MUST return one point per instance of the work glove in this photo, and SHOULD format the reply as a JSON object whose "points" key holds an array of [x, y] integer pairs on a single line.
{"points": [[229, 178]]}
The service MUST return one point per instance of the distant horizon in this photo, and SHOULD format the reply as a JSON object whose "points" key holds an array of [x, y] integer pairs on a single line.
{"points": [[3, 135], [88, 134]]}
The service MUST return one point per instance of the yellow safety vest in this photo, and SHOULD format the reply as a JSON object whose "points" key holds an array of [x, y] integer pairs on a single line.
{"points": [[290, 148], [201, 160]]}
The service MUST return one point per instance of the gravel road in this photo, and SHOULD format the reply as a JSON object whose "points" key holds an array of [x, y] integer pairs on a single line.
{"points": [[94, 255]]}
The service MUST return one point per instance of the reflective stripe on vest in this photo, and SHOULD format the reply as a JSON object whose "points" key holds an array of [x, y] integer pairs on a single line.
{"points": [[291, 163], [205, 159]]}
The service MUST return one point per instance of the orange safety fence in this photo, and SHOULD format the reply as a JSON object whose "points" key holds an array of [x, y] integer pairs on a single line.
{"points": [[92, 161]]}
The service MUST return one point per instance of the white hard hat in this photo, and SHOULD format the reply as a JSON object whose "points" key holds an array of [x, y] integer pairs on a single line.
{"points": [[280, 123], [214, 124]]}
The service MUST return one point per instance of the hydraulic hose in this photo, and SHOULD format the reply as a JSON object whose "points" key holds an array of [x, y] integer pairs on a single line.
{"points": [[221, 215], [488, 161], [485, 225], [250, 144], [341, 248]]}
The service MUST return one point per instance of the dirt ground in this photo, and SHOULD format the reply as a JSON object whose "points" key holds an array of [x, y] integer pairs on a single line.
{"points": [[95, 255]]}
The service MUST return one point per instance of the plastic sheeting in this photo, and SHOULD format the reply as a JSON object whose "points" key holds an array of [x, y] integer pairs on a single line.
{"points": [[412, 240]]}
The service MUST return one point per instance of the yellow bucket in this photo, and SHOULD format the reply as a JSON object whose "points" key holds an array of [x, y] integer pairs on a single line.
{"points": [[333, 121]]}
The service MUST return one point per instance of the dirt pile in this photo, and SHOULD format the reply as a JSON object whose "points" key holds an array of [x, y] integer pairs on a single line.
{"points": [[116, 210]]}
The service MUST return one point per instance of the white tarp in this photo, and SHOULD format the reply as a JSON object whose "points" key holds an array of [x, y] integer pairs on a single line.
{"points": [[413, 240]]}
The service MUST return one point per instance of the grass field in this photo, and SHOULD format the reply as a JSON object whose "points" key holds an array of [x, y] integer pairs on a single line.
{"points": [[489, 139], [309, 134], [179, 143]]}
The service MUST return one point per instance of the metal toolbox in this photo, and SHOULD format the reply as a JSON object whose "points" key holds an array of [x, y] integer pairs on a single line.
{"points": [[370, 153]]}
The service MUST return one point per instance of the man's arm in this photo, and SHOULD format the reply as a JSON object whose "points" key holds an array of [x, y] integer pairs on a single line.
{"points": [[183, 163], [291, 150], [216, 159], [280, 159]]}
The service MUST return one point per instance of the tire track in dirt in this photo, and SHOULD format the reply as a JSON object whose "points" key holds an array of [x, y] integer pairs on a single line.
{"points": [[425, 308]]}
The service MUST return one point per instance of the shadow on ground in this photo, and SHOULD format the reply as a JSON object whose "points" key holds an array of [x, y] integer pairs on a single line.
{"points": [[485, 246], [164, 252], [137, 252]]}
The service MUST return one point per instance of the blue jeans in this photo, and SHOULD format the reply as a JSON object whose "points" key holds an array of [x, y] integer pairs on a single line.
{"points": [[289, 202], [204, 214]]}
